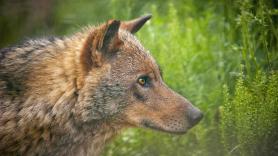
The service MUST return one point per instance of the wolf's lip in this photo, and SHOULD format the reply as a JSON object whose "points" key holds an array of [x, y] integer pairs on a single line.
{"points": [[151, 125]]}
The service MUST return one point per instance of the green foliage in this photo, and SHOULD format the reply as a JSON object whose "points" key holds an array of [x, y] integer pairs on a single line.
{"points": [[249, 124], [201, 46], [249, 114]]}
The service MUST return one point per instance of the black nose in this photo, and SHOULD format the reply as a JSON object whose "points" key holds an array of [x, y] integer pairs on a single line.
{"points": [[194, 115]]}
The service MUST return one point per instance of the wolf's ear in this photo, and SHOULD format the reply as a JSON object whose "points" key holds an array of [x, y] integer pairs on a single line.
{"points": [[134, 25], [101, 43]]}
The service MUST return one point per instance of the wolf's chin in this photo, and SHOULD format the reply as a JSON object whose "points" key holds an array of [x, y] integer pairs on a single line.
{"points": [[151, 125]]}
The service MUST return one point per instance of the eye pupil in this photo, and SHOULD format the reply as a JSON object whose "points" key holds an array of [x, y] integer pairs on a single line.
{"points": [[142, 81]]}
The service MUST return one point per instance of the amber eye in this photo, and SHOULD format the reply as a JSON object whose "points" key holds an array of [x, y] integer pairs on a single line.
{"points": [[143, 80]]}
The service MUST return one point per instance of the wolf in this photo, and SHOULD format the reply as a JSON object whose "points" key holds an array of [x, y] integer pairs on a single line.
{"points": [[71, 95]]}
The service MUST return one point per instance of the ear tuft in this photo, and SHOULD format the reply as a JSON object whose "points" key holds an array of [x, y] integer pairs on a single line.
{"points": [[111, 41], [101, 43], [134, 25]]}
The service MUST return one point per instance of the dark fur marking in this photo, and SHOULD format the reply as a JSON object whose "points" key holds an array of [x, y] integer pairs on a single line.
{"points": [[160, 71], [4, 51], [139, 97], [12, 86], [110, 34]]}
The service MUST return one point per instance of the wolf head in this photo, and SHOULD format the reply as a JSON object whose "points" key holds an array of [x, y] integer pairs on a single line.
{"points": [[121, 81]]}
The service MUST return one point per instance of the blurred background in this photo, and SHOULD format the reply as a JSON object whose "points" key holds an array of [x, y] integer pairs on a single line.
{"points": [[220, 54]]}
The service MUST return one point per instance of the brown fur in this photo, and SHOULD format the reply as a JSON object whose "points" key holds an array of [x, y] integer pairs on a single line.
{"points": [[70, 96]]}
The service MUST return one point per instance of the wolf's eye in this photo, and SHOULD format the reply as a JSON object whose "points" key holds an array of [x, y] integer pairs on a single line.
{"points": [[143, 80]]}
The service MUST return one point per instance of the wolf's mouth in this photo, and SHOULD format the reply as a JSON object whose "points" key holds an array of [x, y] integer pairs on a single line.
{"points": [[149, 124]]}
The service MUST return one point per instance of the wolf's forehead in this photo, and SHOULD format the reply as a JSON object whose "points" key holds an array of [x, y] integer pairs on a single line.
{"points": [[131, 41], [133, 45]]}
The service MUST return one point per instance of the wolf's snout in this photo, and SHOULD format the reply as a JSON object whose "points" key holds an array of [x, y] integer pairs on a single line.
{"points": [[194, 115]]}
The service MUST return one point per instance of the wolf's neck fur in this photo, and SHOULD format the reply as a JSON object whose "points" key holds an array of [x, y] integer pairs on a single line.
{"points": [[47, 115]]}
